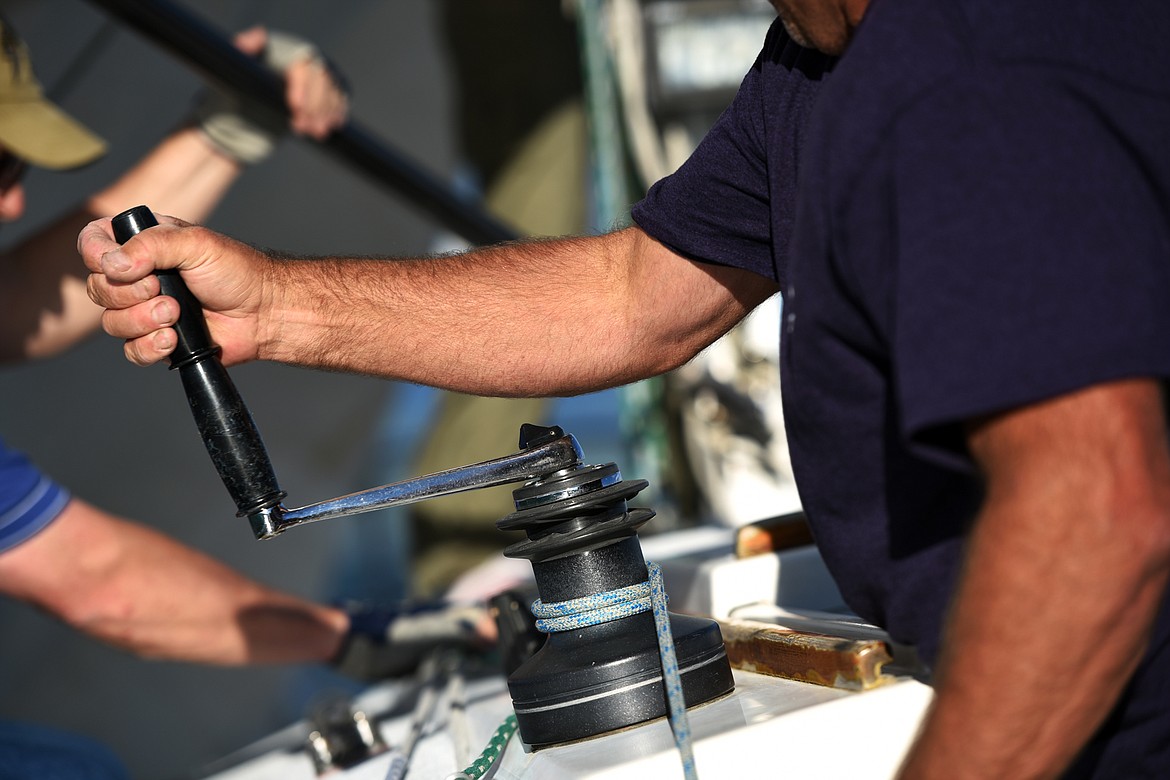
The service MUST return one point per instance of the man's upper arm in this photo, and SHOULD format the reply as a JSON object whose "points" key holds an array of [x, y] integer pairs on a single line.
{"points": [[1067, 564], [1099, 449], [688, 304]]}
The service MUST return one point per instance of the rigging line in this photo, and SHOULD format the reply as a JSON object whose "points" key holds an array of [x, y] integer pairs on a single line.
{"points": [[457, 717], [430, 673]]}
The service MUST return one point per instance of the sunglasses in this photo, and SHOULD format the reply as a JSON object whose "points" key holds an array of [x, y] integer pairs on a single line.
{"points": [[12, 170]]}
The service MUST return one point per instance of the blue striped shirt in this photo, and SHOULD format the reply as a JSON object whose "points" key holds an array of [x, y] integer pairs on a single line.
{"points": [[29, 500]]}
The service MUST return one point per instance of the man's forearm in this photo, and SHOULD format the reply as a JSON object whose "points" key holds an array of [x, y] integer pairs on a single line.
{"points": [[44, 308], [500, 320], [1066, 569], [184, 175], [127, 585]]}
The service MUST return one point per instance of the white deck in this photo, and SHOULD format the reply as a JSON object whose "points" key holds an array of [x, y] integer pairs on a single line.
{"points": [[767, 723]]}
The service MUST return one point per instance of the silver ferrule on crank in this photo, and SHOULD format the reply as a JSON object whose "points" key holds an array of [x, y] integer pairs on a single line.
{"points": [[538, 461]]}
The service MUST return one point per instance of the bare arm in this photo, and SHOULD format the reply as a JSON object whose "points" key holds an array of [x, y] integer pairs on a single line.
{"points": [[538, 318], [44, 308], [1067, 566], [43, 300], [128, 585]]}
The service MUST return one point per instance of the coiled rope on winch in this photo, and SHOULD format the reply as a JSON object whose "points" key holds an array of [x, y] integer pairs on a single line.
{"points": [[620, 603], [602, 608]]}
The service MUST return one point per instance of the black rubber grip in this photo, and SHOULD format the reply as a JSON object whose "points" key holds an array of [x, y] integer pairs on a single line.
{"points": [[224, 422]]}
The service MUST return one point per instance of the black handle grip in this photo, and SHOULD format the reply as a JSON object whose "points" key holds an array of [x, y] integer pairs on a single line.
{"points": [[224, 422]]}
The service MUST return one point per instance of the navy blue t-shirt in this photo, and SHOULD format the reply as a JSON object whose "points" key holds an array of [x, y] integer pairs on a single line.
{"points": [[981, 222]]}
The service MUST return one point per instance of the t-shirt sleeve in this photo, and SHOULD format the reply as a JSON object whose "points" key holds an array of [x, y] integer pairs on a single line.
{"points": [[721, 206], [1032, 252], [29, 500]]}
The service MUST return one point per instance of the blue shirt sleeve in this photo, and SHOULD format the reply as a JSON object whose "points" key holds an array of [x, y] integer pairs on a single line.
{"points": [[732, 202], [29, 500]]}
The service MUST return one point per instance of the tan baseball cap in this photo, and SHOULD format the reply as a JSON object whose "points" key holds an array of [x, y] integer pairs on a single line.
{"points": [[30, 126]]}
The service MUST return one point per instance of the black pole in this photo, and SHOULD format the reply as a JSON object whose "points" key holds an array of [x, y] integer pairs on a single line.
{"points": [[210, 51]]}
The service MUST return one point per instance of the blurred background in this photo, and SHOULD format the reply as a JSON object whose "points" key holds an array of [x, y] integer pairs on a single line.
{"points": [[481, 95]]}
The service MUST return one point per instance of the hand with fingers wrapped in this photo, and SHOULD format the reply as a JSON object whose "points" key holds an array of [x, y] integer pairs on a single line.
{"points": [[315, 95]]}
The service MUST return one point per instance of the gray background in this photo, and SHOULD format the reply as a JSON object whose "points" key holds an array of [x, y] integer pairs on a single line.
{"points": [[121, 436]]}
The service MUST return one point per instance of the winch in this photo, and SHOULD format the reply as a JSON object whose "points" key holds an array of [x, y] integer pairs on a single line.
{"points": [[600, 668]]}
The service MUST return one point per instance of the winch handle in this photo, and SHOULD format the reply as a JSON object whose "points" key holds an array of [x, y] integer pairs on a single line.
{"points": [[224, 423]]}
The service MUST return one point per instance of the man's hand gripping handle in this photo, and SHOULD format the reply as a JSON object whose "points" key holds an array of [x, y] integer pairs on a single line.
{"points": [[224, 422]]}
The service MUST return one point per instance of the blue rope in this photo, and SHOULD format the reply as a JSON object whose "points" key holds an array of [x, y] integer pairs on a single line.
{"points": [[623, 602], [592, 610]]}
